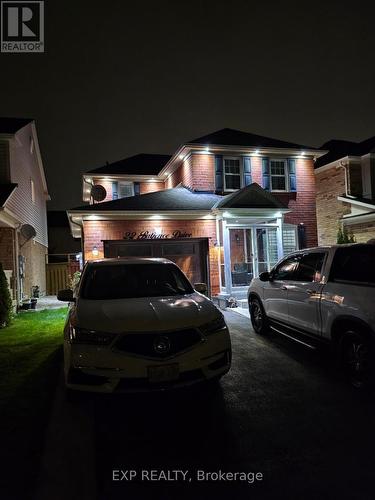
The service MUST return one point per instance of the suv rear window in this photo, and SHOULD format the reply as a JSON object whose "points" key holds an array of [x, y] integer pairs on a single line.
{"points": [[354, 265]]}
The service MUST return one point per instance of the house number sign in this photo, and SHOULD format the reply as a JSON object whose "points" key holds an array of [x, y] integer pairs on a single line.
{"points": [[151, 235]]}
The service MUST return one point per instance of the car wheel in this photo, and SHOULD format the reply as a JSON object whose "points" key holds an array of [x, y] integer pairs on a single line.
{"points": [[355, 357], [258, 316]]}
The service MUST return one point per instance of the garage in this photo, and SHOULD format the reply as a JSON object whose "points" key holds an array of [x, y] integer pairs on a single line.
{"points": [[190, 254]]}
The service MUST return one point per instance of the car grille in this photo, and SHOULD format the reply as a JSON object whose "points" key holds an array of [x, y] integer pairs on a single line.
{"points": [[159, 345]]}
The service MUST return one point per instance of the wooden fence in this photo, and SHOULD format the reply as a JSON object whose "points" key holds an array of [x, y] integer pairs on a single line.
{"points": [[58, 276]]}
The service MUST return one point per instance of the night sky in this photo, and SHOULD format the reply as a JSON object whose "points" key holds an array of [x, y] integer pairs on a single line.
{"points": [[119, 78]]}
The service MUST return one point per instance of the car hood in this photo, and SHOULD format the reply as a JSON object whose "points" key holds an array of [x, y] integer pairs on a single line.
{"points": [[144, 314]]}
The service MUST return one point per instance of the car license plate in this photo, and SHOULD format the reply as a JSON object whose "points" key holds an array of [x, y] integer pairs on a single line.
{"points": [[163, 373]]}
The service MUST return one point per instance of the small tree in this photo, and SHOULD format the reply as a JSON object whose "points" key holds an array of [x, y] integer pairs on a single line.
{"points": [[5, 300], [343, 236]]}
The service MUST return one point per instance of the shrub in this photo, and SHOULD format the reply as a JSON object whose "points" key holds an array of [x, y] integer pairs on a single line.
{"points": [[5, 300], [343, 236]]}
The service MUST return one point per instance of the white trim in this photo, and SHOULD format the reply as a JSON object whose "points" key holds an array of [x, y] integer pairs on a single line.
{"points": [[323, 168], [39, 160], [356, 202], [359, 219]]}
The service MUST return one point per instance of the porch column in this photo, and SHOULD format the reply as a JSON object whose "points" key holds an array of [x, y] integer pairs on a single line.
{"points": [[226, 244], [279, 237]]}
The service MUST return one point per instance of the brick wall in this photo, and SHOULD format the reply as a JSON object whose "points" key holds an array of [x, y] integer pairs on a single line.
{"points": [[329, 185], [363, 232], [7, 254], [95, 231], [196, 172], [151, 186], [302, 203]]}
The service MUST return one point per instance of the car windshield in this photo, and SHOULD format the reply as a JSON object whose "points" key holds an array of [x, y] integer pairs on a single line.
{"points": [[125, 281]]}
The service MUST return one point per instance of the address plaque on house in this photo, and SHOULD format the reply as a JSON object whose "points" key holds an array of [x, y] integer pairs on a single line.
{"points": [[151, 235]]}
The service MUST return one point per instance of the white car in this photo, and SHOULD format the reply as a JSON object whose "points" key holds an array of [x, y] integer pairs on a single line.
{"points": [[323, 294], [138, 324]]}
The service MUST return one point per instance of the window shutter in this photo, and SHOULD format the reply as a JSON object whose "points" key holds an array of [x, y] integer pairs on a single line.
{"points": [[137, 188], [114, 190], [266, 174], [292, 174], [219, 172], [247, 170]]}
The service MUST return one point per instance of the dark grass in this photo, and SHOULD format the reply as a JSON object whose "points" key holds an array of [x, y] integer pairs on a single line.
{"points": [[30, 360]]}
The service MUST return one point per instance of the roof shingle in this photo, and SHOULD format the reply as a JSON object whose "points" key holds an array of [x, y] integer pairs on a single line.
{"points": [[231, 137], [142, 164]]}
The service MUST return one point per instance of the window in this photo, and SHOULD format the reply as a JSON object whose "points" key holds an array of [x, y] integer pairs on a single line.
{"points": [[125, 189], [32, 187], [310, 267], [285, 270], [290, 243], [232, 174], [278, 175], [354, 265], [117, 281]]}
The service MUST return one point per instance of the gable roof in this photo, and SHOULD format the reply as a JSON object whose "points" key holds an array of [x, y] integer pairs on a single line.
{"points": [[232, 137], [5, 191], [141, 164], [12, 125], [170, 199], [340, 149], [252, 196]]}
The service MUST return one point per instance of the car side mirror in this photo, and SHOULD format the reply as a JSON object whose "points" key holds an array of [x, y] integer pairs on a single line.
{"points": [[266, 276], [200, 287], [66, 295]]}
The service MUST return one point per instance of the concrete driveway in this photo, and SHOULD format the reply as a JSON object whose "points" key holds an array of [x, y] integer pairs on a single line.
{"points": [[282, 411]]}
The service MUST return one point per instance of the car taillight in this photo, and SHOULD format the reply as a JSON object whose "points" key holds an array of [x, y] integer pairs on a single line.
{"points": [[85, 336]]}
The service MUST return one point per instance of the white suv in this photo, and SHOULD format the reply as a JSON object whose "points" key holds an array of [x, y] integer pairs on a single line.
{"points": [[138, 324], [324, 294]]}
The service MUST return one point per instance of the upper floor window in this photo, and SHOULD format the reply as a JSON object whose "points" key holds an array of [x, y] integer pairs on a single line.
{"points": [[232, 174], [279, 179], [122, 189]]}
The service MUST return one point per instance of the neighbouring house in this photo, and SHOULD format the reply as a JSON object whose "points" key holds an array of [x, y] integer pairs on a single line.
{"points": [[64, 252], [345, 185], [23, 218], [224, 207]]}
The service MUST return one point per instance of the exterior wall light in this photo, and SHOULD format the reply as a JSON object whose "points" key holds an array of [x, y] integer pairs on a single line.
{"points": [[207, 149], [95, 251]]}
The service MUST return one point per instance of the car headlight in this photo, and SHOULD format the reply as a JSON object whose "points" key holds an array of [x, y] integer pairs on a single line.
{"points": [[214, 326], [84, 336]]}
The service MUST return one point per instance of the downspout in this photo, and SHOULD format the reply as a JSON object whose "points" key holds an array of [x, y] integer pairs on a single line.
{"points": [[345, 166], [82, 238]]}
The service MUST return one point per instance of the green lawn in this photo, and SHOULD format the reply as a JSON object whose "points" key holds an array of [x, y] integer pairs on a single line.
{"points": [[30, 360]]}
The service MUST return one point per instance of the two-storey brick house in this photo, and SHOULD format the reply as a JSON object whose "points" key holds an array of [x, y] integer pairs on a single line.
{"points": [[23, 216], [345, 181], [224, 207]]}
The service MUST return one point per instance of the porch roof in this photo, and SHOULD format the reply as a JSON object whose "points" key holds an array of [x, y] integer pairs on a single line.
{"points": [[252, 196]]}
